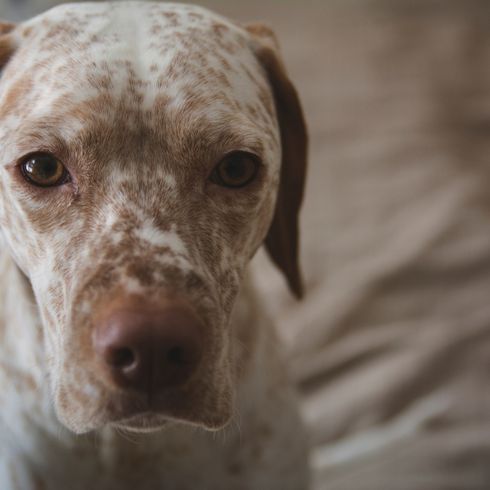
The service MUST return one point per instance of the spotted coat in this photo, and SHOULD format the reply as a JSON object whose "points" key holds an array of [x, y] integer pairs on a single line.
{"points": [[140, 101]]}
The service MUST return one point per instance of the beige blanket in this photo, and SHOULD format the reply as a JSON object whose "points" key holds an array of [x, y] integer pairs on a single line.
{"points": [[391, 347]]}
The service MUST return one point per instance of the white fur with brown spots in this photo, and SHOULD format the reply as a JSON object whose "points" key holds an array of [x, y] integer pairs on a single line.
{"points": [[140, 101]]}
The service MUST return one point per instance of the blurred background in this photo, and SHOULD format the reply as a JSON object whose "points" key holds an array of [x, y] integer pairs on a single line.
{"points": [[391, 345]]}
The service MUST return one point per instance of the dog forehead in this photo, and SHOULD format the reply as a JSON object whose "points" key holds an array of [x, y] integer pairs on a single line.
{"points": [[136, 52], [133, 22]]}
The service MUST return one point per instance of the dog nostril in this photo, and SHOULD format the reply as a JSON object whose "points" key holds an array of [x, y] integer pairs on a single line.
{"points": [[122, 358]]}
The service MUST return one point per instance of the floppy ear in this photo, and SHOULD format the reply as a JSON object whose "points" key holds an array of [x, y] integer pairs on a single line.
{"points": [[7, 45], [282, 240]]}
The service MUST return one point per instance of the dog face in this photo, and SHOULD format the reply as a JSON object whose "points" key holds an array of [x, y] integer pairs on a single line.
{"points": [[140, 150]]}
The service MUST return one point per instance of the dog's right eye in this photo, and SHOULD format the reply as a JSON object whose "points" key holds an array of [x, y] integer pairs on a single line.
{"points": [[44, 170]]}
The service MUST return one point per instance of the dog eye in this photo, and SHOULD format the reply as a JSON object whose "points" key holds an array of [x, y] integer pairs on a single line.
{"points": [[44, 170], [237, 169]]}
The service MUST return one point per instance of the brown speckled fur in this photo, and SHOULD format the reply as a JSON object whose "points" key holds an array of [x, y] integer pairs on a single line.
{"points": [[140, 101]]}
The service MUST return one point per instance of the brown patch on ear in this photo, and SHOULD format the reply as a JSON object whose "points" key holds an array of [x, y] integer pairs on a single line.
{"points": [[282, 241], [6, 27], [263, 34], [6, 51], [7, 45]]}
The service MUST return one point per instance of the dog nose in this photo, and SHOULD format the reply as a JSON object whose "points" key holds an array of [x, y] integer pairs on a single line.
{"points": [[149, 350]]}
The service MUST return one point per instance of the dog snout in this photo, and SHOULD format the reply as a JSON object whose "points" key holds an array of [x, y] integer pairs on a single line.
{"points": [[149, 350]]}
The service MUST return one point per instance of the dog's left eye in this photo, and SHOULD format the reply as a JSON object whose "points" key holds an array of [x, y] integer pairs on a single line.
{"points": [[44, 170], [237, 169]]}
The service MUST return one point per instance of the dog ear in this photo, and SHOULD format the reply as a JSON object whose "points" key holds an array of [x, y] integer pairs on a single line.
{"points": [[7, 44], [282, 240]]}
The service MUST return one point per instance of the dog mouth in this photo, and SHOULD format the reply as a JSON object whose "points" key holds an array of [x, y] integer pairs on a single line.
{"points": [[143, 422], [140, 413], [133, 412]]}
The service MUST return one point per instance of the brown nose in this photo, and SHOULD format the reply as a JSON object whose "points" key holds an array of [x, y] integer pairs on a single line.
{"points": [[149, 350]]}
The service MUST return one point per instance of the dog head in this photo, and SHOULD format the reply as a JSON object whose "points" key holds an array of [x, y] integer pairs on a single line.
{"points": [[146, 151]]}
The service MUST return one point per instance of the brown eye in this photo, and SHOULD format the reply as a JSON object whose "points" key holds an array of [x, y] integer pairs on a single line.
{"points": [[44, 170], [237, 169]]}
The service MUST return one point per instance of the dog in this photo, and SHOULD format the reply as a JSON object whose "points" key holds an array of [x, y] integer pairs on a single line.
{"points": [[147, 150]]}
